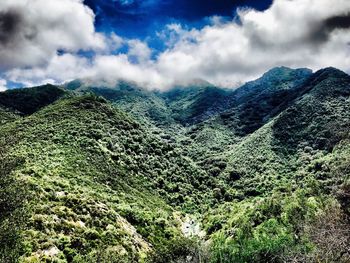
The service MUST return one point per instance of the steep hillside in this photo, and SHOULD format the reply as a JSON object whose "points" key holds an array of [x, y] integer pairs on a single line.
{"points": [[203, 115], [258, 101], [249, 108], [286, 175], [96, 181], [311, 126], [15, 103], [206, 118]]}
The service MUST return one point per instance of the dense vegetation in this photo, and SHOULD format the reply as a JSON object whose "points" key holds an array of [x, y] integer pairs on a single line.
{"points": [[197, 174]]}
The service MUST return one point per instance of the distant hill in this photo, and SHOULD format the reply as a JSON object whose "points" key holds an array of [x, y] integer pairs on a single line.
{"points": [[28, 101], [144, 105]]}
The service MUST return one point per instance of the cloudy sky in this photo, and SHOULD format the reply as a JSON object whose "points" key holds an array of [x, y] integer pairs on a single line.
{"points": [[161, 43]]}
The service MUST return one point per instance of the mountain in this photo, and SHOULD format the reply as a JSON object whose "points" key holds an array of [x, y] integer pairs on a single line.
{"points": [[290, 170], [192, 174], [15, 103], [306, 127], [144, 105], [256, 102], [247, 109], [28, 101]]}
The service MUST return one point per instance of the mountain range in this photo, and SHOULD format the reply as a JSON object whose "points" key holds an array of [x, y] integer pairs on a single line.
{"points": [[94, 173]]}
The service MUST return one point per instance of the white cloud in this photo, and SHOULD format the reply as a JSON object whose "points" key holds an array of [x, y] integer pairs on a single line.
{"points": [[230, 53], [139, 51], [3, 85], [113, 43], [31, 31], [59, 69], [297, 33]]}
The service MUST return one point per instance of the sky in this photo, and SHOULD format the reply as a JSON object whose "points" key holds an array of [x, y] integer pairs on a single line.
{"points": [[143, 18], [162, 43]]}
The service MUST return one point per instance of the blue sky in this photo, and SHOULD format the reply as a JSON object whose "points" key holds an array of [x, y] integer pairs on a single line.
{"points": [[142, 19]]}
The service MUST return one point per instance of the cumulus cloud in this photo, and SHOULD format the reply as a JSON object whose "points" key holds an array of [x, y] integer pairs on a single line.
{"points": [[298, 33], [32, 31], [59, 68], [323, 30], [294, 33], [3, 85]]}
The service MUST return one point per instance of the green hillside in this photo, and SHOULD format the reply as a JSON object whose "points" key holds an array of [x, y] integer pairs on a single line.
{"points": [[190, 105], [197, 174], [286, 176], [144, 105], [94, 175]]}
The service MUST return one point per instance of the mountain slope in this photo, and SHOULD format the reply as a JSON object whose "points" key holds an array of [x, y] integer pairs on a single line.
{"points": [[285, 179], [248, 108], [7, 115], [203, 109], [190, 105], [256, 102], [98, 182], [313, 125]]}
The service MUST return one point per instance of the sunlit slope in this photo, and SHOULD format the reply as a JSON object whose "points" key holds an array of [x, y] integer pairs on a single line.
{"points": [[96, 181]]}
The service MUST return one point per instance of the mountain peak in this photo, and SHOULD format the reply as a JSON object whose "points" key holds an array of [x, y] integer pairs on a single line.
{"points": [[331, 71], [279, 78], [280, 72]]}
